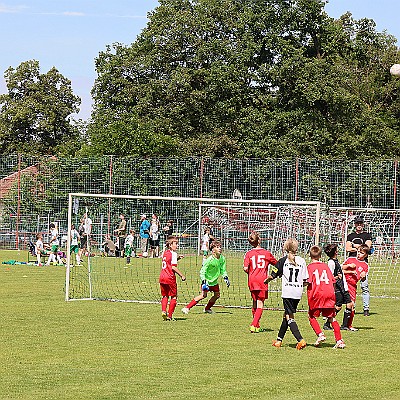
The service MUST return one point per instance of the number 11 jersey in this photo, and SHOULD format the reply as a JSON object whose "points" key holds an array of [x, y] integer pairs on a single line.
{"points": [[292, 274]]}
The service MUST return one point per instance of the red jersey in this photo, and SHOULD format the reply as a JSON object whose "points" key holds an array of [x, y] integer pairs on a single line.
{"points": [[320, 290], [352, 279], [169, 260], [257, 261]]}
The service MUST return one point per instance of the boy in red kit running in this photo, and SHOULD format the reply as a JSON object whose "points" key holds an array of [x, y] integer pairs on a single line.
{"points": [[255, 265], [355, 269], [321, 297], [168, 279]]}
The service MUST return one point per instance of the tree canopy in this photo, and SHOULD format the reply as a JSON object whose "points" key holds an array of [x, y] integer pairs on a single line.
{"points": [[35, 113], [248, 78]]}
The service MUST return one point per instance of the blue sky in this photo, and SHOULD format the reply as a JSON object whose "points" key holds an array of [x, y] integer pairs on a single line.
{"points": [[69, 34]]}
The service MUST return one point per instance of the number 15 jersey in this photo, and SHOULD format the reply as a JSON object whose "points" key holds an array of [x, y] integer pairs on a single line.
{"points": [[257, 261], [292, 276]]}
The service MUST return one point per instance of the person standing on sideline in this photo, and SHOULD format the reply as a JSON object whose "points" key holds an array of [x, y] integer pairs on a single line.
{"points": [[213, 267], [129, 251], [321, 297], [353, 242], [255, 264], [74, 244], [54, 243], [121, 233], [39, 248], [292, 269], [144, 233], [168, 286], [85, 236]]}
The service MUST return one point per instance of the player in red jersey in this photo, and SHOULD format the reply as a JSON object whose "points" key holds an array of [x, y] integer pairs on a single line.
{"points": [[168, 279], [321, 297], [355, 270], [255, 264]]}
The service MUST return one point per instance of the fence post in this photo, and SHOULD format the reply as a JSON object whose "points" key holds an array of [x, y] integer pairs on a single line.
{"points": [[296, 190], [18, 204], [109, 192], [201, 176], [395, 185]]}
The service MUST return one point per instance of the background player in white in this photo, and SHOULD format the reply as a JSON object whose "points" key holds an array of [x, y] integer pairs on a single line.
{"points": [[292, 269]]}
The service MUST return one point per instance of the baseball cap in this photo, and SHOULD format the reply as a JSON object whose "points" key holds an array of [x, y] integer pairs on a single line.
{"points": [[358, 219], [143, 216]]}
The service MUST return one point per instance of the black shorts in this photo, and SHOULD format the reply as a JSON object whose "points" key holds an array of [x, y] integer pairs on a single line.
{"points": [[342, 297], [154, 243], [83, 242], [290, 305]]}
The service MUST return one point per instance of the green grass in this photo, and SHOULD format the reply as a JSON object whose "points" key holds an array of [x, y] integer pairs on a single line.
{"points": [[52, 349]]}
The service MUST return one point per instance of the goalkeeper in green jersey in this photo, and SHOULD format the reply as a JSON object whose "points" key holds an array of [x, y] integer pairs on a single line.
{"points": [[213, 267]]}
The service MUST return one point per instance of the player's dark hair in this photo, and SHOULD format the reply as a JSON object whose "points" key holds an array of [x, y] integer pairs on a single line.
{"points": [[52, 225], [170, 240], [254, 239], [330, 250], [215, 243], [315, 252], [364, 248]]}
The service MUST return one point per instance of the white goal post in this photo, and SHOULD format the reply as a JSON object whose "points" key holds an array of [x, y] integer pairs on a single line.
{"points": [[231, 220]]}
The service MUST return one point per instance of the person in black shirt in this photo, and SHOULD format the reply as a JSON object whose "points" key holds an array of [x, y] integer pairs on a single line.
{"points": [[353, 241]]}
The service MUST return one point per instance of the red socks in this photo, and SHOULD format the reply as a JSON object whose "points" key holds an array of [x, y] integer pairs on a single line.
{"points": [[164, 302], [172, 305], [257, 317], [315, 325]]}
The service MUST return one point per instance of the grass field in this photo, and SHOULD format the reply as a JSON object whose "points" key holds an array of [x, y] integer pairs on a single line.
{"points": [[52, 349]]}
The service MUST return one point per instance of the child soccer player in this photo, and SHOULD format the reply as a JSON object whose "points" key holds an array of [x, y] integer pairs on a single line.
{"points": [[341, 288], [321, 297], [54, 242], [205, 242], [39, 248], [255, 265], [292, 269], [213, 267], [355, 269], [128, 247], [74, 245], [168, 279]]}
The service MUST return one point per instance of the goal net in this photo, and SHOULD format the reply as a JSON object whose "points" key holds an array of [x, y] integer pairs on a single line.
{"points": [[384, 226], [230, 220]]}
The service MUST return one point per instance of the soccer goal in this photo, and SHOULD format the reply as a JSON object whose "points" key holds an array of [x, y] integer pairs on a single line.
{"points": [[105, 277]]}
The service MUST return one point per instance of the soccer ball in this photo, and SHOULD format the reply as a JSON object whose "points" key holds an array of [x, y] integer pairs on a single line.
{"points": [[395, 69], [145, 254]]}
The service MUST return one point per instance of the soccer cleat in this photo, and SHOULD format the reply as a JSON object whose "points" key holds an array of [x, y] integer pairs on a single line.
{"points": [[164, 316], [320, 338], [208, 311], [171, 319], [339, 344], [351, 328], [327, 327], [344, 328], [366, 313], [185, 310], [254, 329], [300, 345], [277, 343]]}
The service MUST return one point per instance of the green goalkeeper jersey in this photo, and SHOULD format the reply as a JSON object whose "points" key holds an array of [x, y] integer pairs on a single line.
{"points": [[212, 268]]}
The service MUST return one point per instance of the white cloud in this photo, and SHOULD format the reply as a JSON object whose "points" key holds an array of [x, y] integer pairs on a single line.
{"points": [[73, 14], [6, 9]]}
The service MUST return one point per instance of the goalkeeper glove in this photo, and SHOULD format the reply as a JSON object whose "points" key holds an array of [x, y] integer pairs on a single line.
{"points": [[204, 286], [226, 279]]}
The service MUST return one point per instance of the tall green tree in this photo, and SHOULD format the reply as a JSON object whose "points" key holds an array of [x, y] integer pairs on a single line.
{"points": [[250, 78], [35, 114]]}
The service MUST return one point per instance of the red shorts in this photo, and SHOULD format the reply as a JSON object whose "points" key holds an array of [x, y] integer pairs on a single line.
{"points": [[325, 312], [353, 292], [214, 288], [259, 295], [168, 290]]}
